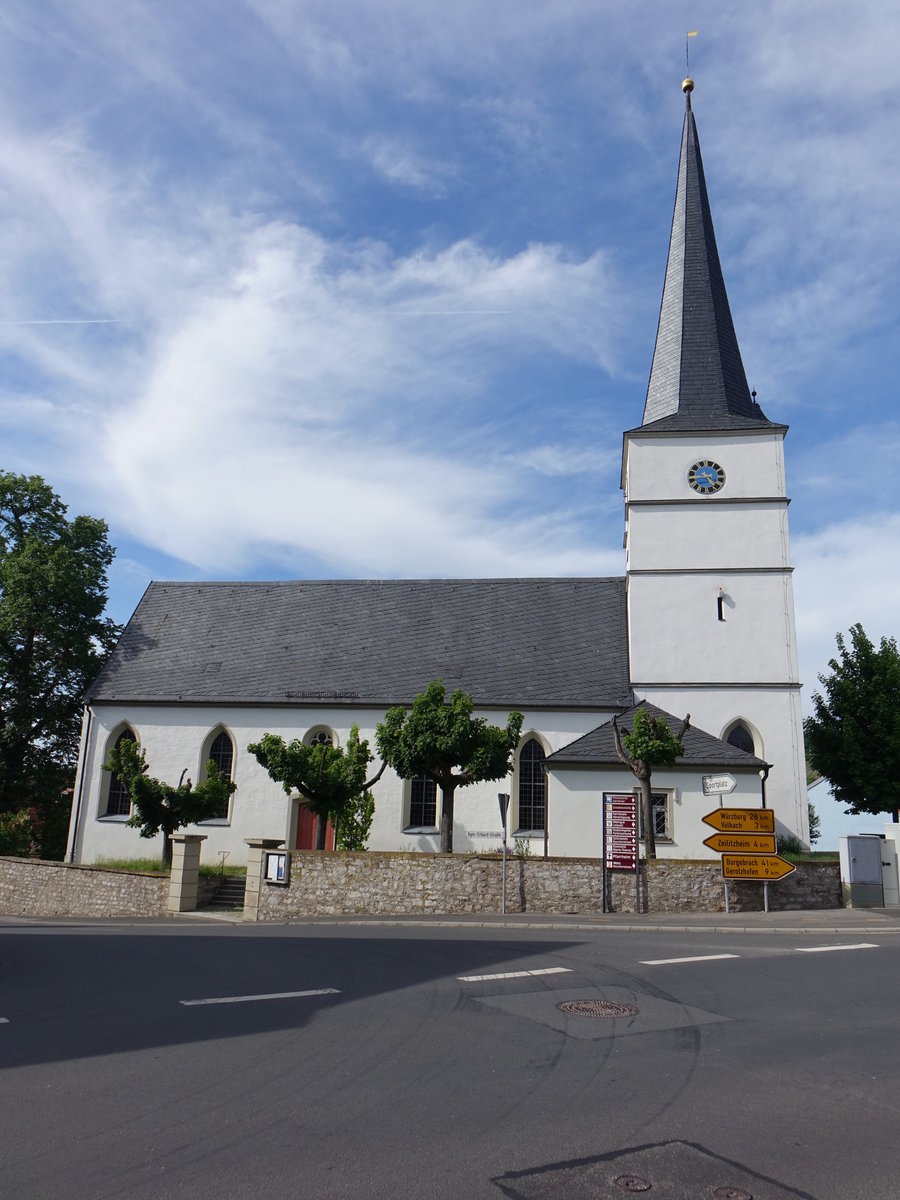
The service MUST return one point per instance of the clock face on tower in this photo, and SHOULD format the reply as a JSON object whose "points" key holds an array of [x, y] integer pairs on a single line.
{"points": [[706, 477]]}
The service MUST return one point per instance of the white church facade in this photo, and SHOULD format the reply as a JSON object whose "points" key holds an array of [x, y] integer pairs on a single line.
{"points": [[702, 623]]}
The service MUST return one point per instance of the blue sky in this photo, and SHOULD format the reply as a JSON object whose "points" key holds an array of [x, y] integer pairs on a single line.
{"points": [[370, 289]]}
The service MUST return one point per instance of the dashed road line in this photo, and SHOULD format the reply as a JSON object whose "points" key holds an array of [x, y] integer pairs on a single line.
{"points": [[515, 974], [4, 1020], [264, 996], [661, 962], [825, 949]]}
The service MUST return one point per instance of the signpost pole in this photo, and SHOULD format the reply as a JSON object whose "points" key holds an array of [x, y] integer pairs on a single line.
{"points": [[603, 859], [503, 801], [727, 903], [766, 896]]}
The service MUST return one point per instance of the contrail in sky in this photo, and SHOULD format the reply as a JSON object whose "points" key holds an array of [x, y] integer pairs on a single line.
{"points": [[79, 321]]}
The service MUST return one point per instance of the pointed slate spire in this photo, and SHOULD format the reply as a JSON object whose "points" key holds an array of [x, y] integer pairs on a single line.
{"points": [[697, 380]]}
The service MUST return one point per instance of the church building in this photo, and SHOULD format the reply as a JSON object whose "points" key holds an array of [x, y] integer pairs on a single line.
{"points": [[702, 622]]}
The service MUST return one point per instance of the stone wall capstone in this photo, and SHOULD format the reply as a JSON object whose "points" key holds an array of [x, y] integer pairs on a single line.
{"points": [[395, 884]]}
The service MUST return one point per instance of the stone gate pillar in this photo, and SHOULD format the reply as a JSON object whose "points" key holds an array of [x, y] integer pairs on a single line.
{"points": [[185, 877], [256, 854]]}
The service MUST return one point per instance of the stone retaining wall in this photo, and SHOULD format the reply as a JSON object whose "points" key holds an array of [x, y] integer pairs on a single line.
{"points": [[33, 888], [383, 883]]}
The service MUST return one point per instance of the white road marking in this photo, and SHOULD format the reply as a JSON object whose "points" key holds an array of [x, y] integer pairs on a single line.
{"points": [[4, 1020], [515, 974], [661, 962], [265, 996], [825, 949]]}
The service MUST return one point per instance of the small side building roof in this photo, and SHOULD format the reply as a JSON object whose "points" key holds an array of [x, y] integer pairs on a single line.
{"points": [[701, 749]]}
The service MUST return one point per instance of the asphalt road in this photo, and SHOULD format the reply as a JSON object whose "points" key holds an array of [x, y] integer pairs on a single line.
{"points": [[403, 1072]]}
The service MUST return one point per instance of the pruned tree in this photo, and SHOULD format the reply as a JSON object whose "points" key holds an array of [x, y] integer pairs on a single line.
{"points": [[331, 779], [651, 743], [444, 741], [160, 807], [53, 640], [853, 736]]}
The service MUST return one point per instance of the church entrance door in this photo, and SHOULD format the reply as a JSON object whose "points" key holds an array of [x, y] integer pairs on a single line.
{"points": [[306, 830]]}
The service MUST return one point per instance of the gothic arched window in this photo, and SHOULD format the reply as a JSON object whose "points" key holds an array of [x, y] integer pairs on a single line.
{"points": [[118, 799], [741, 737], [219, 749], [532, 786]]}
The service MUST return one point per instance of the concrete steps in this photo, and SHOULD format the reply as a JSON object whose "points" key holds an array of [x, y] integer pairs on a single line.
{"points": [[229, 894]]}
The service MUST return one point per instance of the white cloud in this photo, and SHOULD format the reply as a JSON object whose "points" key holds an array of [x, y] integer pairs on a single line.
{"points": [[400, 163], [263, 410], [845, 573]]}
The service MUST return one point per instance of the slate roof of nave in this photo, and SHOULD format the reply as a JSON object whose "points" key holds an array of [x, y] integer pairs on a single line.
{"points": [[701, 749], [559, 643]]}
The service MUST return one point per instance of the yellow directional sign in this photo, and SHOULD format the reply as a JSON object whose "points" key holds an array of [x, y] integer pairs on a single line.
{"points": [[741, 820], [741, 843], [755, 866]]}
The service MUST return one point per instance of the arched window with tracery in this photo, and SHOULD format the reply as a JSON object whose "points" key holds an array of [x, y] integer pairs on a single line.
{"points": [[219, 750], [118, 799], [532, 786], [319, 736], [741, 738]]}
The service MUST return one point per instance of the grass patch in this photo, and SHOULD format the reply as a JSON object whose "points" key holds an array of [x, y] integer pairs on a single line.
{"points": [[812, 856], [154, 866], [145, 866]]}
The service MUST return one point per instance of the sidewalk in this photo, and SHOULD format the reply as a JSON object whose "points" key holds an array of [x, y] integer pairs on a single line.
{"points": [[870, 921]]}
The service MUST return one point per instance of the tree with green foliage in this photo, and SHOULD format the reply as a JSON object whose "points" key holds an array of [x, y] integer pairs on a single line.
{"points": [[160, 807], [351, 832], [54, 639], [15, 834], [651, 743], [853, 736], [331, 780], [445, 742], [815, 828]]}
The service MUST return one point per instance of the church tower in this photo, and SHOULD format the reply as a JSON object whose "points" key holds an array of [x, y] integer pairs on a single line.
{"points": [[708, 575]]}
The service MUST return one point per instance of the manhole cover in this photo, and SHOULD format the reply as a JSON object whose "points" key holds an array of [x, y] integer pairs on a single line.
{"points": [[596, 1008], [632, 1183]]}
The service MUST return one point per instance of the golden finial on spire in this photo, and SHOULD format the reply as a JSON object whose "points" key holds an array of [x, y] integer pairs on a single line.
{"points": [[687, 84]]}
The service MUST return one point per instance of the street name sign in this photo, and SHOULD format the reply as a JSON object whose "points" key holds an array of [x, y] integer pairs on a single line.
{"points": [[755, 866], [741, 820], [717, 785], [741, 843]]}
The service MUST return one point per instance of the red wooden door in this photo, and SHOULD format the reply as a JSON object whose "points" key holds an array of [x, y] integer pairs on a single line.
{"points": [[306, 830]]}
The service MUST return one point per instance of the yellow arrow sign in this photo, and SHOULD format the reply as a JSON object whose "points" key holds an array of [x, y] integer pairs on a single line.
{"points": [[741, 843], [742, 820], [755, 866]]}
